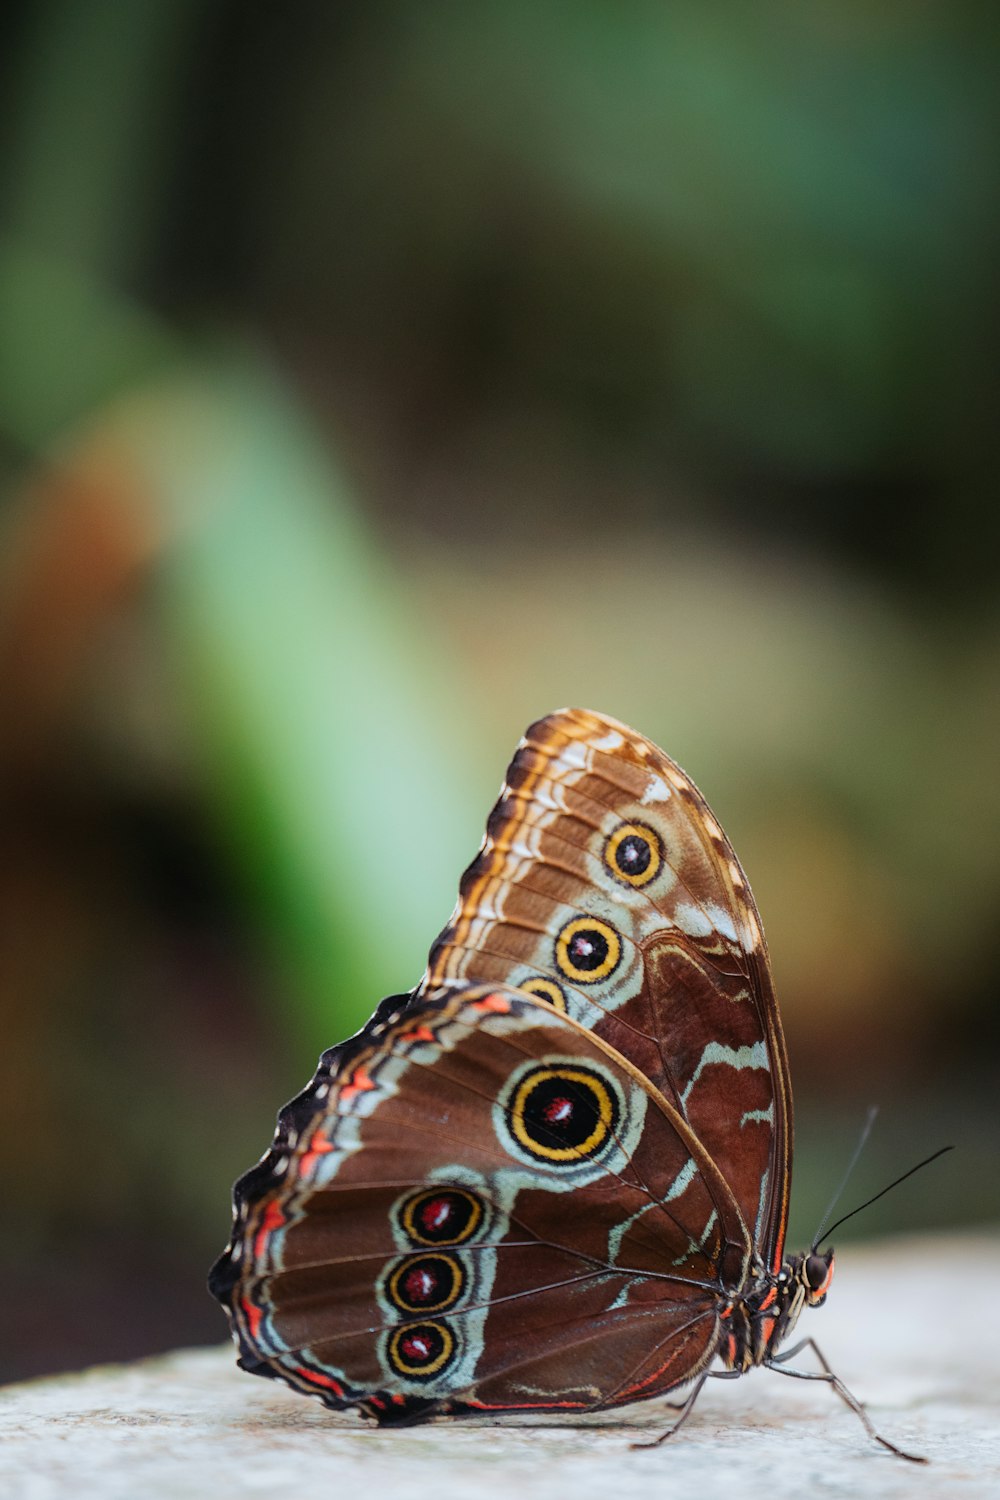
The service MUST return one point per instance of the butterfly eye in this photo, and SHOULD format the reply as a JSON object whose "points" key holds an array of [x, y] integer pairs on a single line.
{"points": [[818, 1271], [545, 989], [634, 854], [562, 1114], [588, 950]]}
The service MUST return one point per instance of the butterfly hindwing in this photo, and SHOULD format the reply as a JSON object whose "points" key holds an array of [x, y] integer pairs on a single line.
{"points": [[477, 1205]]}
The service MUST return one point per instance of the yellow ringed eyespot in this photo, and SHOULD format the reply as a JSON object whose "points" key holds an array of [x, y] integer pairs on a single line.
{"points": [[634, 854], [441, 1216], [545, 989], [563, 1113], [426, 1283], [587, 950], [421, 1350]]}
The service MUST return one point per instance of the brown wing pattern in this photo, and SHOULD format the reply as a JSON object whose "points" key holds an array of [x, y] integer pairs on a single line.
{"points": [[408, 1245], [605, 885]]}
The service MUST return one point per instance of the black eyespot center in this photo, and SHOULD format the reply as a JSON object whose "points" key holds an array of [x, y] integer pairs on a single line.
{"points": [[588, 949], [633, 855]]}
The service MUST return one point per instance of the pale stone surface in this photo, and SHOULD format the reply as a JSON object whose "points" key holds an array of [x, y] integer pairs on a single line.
{"points": [[913, 1328]]}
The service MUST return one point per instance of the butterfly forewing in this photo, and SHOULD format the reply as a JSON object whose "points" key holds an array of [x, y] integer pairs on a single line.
{"points": [[606, 886]]}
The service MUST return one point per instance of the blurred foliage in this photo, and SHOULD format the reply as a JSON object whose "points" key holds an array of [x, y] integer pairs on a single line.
{"points": [[375, 377], [327, 726]]}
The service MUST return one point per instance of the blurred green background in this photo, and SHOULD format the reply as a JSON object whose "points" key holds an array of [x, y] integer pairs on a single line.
{"points": [[375, 377]]}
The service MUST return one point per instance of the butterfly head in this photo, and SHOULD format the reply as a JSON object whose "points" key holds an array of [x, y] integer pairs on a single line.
{"points": [[815, 1272]]}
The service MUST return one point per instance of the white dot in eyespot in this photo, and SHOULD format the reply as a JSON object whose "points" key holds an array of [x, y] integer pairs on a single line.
{"points": [[281, 1164], [321, 1090]]}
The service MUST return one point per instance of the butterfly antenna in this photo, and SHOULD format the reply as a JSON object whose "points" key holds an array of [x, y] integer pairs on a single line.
{"points": [[866, 1131], [869, 1201]]}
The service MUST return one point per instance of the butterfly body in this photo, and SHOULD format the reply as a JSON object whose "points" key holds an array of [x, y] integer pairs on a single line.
{"points": [[554, 1176], [755, 1325]]}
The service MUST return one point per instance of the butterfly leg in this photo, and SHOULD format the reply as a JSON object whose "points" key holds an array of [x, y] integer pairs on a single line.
{"points": [[710, 1375], [778, 1364], [685, 1412]]}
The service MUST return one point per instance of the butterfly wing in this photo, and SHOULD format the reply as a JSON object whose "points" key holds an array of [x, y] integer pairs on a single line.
{"points": [[478, 1205], [605, 885]]}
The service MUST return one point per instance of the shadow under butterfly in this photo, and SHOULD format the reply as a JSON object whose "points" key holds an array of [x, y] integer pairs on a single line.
{"points": [[555, 1176]]}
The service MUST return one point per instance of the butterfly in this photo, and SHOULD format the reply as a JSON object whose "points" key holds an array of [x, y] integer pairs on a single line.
{"points": [[554, 1177]]}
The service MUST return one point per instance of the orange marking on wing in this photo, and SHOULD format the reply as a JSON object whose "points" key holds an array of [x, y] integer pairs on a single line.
{"points": [[359, 1084], [418, 1034], [767, 1330], [315, 1378], [498, 1003], [633, 1390], [768, 1299], [318, 1146], [273, 1219], [731, 1349], [253, 1316]]}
